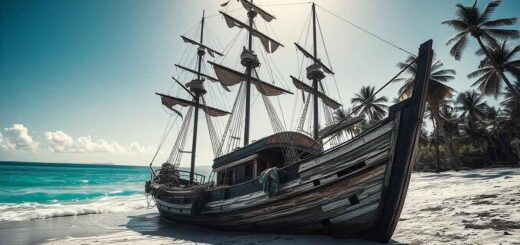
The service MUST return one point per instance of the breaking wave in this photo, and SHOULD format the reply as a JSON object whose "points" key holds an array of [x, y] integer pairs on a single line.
{"points": [[31, 210]]}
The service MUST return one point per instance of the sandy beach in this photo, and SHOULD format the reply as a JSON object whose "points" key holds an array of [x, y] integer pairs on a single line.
{"points": [[466, 207]]}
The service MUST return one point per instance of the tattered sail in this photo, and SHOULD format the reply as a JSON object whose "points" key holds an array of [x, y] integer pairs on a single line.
{"points": [[326, 99], [269, 44], [230, 77], [211, 51], [315, 59], [170, 101], [265, 15]]}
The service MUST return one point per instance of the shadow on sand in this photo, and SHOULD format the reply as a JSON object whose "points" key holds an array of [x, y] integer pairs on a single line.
{"points": [[152, 226]]}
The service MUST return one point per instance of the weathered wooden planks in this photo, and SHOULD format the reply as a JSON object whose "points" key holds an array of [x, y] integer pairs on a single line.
{"points": [[295, 210]]}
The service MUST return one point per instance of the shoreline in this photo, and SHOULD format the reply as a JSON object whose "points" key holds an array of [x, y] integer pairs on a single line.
{"points": [[465, 207]]}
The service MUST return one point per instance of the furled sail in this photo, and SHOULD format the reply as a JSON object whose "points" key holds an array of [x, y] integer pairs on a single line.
{"points": [[211, 51], [269, 44], [315, 59], [334, 128], [265, 15], [230, 77], [326, 99], [170, 101]]}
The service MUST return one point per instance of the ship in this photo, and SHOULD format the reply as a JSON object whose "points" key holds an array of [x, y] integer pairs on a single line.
{"points": [[323, 182]]}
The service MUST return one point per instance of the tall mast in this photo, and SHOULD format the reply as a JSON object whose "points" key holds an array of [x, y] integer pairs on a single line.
{"points": [[229, 77], [315, 79], [315, 72], [251, 14], [198, 92]]}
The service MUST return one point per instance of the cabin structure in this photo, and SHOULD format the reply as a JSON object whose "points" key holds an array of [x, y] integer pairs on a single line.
{"points": [[249, 162]]}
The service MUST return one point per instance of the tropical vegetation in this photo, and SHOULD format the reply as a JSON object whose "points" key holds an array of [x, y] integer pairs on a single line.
{"points": [[466, 129]]}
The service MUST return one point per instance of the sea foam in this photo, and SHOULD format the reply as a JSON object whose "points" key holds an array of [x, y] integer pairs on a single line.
{"points": [[32, 210]]}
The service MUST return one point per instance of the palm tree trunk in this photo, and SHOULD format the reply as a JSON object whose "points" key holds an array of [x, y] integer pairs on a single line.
{"points": [[454, 159], [506, 80], [436, 144], [494, 148]]}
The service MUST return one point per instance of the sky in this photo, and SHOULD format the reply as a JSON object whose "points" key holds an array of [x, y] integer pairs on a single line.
{"points": [[77, 78]]}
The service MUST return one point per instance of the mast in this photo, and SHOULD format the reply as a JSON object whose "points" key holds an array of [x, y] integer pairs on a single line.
{"points": [[198, 92], [315, 78], [251, 14], [229, 77]]}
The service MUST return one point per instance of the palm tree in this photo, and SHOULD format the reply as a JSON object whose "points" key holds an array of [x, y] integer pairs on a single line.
{"points": [[473, 110], [473, 107], [428, 114], [341, 115], [511, 104], [492, 120], [365, 102], [472, 21], [438, 92], [490, 75]]}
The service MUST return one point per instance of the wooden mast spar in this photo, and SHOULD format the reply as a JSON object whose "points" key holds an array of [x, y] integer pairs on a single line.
{"points": [[198, 92], [251, 14], [315, 80]]}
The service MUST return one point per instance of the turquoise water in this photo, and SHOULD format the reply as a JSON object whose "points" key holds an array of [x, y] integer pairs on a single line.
{"points": [[47, 190], [51, 183], [57, 182]]}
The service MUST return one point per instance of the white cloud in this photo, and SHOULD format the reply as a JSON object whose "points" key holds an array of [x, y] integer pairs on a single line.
{"points": [[61, 142], [17, 138], [135, 146]]}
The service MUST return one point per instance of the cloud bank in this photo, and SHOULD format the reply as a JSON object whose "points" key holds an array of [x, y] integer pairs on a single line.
{"points": [[61, 142], [17, 137]]}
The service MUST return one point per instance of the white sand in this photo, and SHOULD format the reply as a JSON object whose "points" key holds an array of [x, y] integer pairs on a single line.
{"points": [[467, 207]]}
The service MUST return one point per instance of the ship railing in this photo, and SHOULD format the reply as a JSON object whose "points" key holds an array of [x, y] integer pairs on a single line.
{"points": [[184, 176]]}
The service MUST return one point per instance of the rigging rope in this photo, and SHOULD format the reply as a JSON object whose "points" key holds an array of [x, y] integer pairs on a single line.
{"points": [[366, 31], [231, 120], [163, 138], [328, 58], [213, 135], [304, 114], [176, 154]]}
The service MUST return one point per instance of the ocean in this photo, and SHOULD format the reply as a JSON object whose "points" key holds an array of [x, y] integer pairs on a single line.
{"points": [[45, 190]]}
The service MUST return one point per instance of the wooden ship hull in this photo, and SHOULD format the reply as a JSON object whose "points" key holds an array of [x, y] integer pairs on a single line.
{"points": [[356, 189]]}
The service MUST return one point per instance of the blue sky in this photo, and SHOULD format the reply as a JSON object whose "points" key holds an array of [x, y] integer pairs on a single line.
{"points": [[84, 73]]}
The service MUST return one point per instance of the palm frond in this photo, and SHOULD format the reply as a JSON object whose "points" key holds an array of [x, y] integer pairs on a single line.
{"points": [[443, 78], [491, 86], [457, 36], [500, 22], [458, 47], [444, 72], [503, 33], [456, 24], [490, 8], [512, 53], [480, 72]]}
